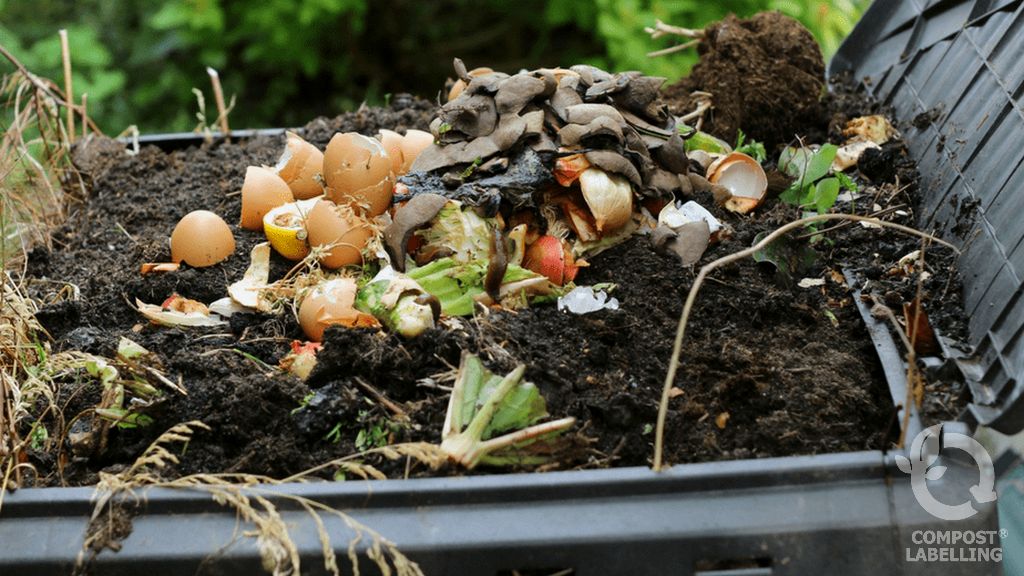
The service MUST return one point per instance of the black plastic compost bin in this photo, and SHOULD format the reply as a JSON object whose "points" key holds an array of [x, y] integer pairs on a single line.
{"points": [[954, 63]]}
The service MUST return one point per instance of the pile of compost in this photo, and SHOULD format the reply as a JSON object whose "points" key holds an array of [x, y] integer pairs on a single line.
{"points": [[774, 364]]}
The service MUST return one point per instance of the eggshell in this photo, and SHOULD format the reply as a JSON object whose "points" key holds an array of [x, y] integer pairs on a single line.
{"points": [[262, 191], [338, 227], [201, 239], [414, 142], [743, 177], [460, 85], [393, 142], [331, 302], [358, 173], [299, 166]]}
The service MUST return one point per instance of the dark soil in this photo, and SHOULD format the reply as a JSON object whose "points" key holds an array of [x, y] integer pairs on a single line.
{"points": [[765, 74], [767, 370]]}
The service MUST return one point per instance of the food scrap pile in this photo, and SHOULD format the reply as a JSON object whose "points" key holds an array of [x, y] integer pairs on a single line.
{"points": [[520, 180]]}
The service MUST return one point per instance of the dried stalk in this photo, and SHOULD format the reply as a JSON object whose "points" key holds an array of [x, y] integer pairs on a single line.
{"points": [[85, 115], [661, 29], [65, 55], [677, 346], [253, 499], [218, 96]]}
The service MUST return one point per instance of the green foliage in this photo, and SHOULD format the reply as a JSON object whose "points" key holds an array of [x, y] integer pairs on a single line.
{"points": [[288, 62], [751, 148], [790, 257], [812, 189]]}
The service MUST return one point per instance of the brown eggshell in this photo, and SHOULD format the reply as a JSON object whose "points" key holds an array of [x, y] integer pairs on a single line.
{"points": [[358, 173], [336, 226], [393, 143], [460, 85], [201, 239], [414, 142], [299, 166], [331, 302], [262, 191]]}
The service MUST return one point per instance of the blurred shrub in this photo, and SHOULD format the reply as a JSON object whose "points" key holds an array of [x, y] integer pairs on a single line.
{"points": [[288, 61]]}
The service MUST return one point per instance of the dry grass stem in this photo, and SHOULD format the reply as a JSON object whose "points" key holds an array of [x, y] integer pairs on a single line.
{"points": [[65, 56], [218, 96], [256, 503]]}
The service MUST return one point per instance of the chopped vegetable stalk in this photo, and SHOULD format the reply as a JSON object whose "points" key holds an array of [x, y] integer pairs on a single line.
{"points": [[484, 405], [399, 303], [461, 233], [458, 286]]}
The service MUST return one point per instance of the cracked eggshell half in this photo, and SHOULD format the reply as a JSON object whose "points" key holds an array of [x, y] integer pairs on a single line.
{"points": [[262, 191], [329, 303], [342, 233], [743, 177], [359, 173], [300, 166]]}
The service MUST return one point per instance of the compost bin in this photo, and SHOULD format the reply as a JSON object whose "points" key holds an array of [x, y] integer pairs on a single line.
{"points": [[948, 66]]}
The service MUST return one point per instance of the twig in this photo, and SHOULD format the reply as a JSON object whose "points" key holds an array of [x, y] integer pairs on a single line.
{"points": [[380, 397], [85, 115], [65, 55], [704, 104], [661, 29], [218, 96], [674, 49], [913, 378], [677, 346], [841, 225]]}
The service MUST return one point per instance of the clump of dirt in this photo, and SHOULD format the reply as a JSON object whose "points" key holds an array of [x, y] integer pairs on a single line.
{"points": [[766, 76]]}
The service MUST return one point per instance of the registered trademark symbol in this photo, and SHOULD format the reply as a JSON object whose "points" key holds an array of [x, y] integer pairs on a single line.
{"points": [[1002, 533]]}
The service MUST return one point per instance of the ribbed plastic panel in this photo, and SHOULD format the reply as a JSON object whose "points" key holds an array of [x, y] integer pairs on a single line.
{"points": [[961, 64]]}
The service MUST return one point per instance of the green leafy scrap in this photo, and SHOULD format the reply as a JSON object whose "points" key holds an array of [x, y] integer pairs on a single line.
{"points": [[495, 419], [751, 148], [457, 285], [813, 187], [788, 256]]}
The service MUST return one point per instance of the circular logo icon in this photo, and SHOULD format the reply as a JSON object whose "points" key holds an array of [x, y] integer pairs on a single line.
{"points": [[922, 466]]}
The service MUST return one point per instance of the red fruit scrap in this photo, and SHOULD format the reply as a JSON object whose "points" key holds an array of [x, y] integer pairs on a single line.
{"points": [[551, 257]]}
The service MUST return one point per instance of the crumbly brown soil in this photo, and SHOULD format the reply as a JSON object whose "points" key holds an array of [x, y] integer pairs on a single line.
{"points": [[767, 370], [765, 74]]}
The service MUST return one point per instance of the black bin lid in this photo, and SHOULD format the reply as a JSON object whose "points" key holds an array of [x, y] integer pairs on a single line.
{"points": [[959, 61]]}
